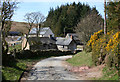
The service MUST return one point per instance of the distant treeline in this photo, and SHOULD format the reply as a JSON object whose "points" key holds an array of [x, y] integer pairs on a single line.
{"points": [[66, 17]]}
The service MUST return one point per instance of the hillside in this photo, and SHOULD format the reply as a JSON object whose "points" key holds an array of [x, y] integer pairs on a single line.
{"points": [[19, 27]]}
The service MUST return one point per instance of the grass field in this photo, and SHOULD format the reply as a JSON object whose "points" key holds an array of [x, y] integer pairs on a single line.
{"points": [[81, 59]]}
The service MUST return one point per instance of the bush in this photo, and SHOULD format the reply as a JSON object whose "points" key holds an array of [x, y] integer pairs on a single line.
{"points": [[98, 50], [112, 49], [104, 48], [92, 40], [8, 60], [26, 54]]}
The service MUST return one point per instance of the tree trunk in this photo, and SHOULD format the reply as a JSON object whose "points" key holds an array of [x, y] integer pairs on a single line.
{"points": [[105, 27], [0, 45], [4, 43]]}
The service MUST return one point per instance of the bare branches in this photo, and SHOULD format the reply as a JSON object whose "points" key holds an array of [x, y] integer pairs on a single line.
{"points": [[8, 8], [35, 18], [7, 11], [88, 25]]}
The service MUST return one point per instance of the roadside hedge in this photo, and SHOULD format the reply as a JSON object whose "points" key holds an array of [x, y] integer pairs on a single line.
{"points": [[26, 54], [104, 48]]}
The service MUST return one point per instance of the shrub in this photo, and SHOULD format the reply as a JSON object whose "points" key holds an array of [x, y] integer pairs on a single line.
{"points": [[105, 46], [112, 48], [113, 43], [27, 54], [8, 60], [98, 50], [92, 40]]}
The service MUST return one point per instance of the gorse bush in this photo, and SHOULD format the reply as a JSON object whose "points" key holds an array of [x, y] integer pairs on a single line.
{"points": [[98, 50], [112, 49], [92, 40], [114, 43], [105, 48]]}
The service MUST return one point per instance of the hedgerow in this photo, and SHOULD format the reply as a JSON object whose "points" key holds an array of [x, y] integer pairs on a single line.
{"points": [[104, 48]]}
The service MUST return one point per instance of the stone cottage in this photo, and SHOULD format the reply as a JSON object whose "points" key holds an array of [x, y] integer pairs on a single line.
{"points": [[66, 44], [75, 37], [45, 41], [44, 32], [40, 43]]}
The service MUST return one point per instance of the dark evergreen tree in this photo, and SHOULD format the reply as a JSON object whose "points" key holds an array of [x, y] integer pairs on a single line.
{"points": [[66, 17], [113, 16]]}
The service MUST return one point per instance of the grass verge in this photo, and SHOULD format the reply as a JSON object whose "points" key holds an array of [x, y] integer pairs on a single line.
{"points": [[109, 74], [25, 60], [14, 72], [85, 59], [81, 59]]}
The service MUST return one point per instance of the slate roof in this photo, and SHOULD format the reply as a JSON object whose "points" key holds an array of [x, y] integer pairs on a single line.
{"points": [[42, 30], [9, 39], [75, 37], [63, 41], [47, 40], [43, 40]]}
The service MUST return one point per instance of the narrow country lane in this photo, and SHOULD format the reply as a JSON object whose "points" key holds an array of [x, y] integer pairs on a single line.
{"points": [[51, 69]]}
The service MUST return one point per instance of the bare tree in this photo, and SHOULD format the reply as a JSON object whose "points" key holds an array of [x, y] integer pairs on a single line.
{"points": [[7, 11], [30, 19], [34, 19], [88, 25], [39, 19]]}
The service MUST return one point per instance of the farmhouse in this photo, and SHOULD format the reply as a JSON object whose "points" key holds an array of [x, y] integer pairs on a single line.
{"points": [[66, 44], [45, 41], [75, 37], [39, 43], [43, 32]]}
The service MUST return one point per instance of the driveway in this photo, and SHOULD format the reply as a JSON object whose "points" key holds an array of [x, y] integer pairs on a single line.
{"points": [[51, 69]]}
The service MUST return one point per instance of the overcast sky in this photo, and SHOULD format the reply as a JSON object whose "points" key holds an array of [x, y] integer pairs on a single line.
{"points": [[26, 6]]}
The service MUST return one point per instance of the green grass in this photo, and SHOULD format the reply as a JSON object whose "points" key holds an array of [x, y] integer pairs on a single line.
{"points": [[109, 74], [84, 58], [81, 59], [17, 47], [14, 72], [16, 69]]}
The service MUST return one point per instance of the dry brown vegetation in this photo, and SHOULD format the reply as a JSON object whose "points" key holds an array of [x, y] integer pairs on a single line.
{"points": [[19, 27]]}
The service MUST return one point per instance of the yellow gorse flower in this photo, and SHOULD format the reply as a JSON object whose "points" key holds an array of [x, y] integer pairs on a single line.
{"points": [[113, 42], [93, 38]]}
